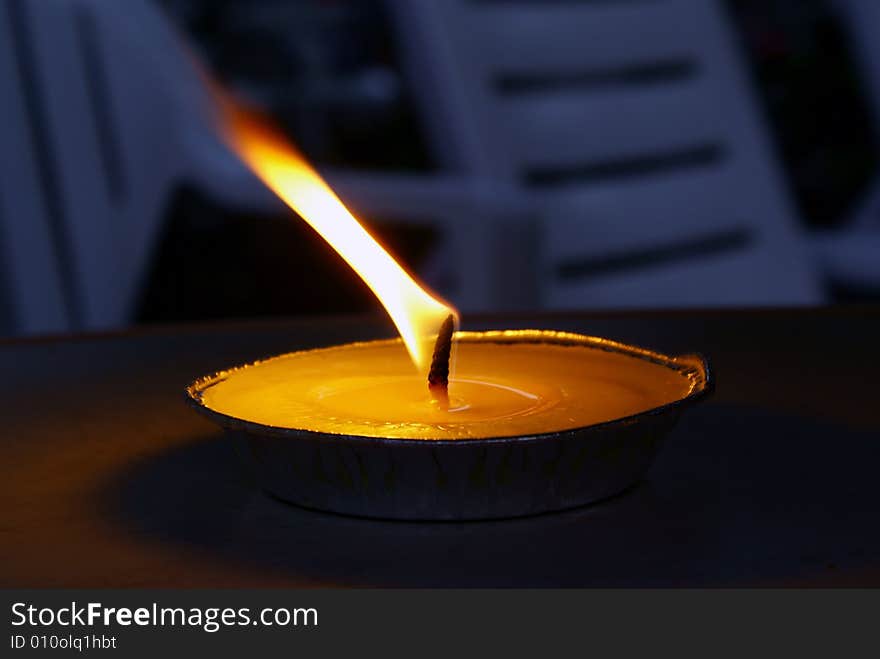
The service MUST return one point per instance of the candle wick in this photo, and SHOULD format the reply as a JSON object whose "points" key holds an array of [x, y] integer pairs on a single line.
{"points": [[438, 376]]}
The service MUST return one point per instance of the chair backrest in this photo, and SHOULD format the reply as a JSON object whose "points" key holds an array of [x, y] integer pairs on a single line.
{"points": [[92, 127], [632, 124]]}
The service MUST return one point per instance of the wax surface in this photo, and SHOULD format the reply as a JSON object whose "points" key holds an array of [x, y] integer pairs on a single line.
{"points": [[497, 390]]}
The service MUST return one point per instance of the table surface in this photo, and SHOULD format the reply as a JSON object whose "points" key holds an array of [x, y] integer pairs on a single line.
{"points": [[110, 480]]}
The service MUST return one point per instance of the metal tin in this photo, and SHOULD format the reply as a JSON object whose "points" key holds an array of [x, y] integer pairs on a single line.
{"points": [[462, 479]]}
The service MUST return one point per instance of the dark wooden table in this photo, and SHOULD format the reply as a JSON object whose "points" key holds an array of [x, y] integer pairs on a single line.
{"points": [[109, 479]]}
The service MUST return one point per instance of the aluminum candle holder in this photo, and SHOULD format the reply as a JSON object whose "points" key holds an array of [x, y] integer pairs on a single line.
{"points": [[462, 479]]}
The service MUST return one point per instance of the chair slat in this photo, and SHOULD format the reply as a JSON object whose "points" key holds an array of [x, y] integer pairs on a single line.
{"points": [[577, 127], [586, 222], [737, 278], [94, 229], [513, 37], [26, 239]]}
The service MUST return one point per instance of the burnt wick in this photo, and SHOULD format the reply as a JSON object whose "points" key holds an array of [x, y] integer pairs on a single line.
{"points": [[438, 376]]}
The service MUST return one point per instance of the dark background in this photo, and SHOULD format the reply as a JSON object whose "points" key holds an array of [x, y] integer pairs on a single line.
{"points": [[340, 94], [332, 74]]}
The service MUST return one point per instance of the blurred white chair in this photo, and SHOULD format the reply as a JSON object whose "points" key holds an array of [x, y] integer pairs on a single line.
{"points": [[627, 136], [594, 154], [97, 110]]}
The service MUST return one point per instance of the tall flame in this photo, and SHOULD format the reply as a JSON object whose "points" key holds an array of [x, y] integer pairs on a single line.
{"points": [[417, 314]]}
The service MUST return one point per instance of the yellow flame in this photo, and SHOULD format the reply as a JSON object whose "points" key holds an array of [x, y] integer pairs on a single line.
{"points": [[416, 314]]}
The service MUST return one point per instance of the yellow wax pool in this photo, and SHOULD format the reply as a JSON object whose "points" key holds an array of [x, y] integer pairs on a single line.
{"points": [[499, 388]]}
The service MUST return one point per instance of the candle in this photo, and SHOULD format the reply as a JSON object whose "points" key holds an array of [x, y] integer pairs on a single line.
{"points": [[537, 421], [507, 384], [490, 424]]}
